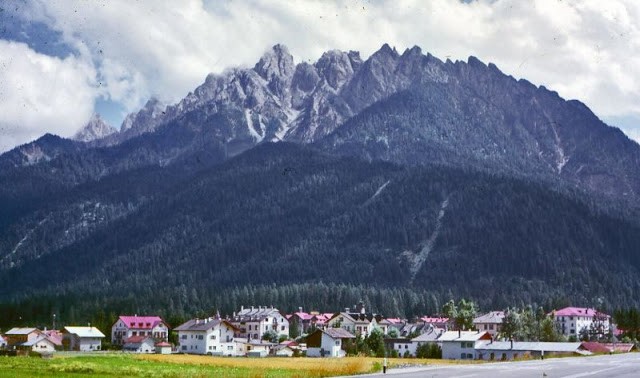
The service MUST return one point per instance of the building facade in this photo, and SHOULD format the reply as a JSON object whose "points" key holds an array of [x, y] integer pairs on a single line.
{"points": [[207, 336], [131, 326], [253, 322]]}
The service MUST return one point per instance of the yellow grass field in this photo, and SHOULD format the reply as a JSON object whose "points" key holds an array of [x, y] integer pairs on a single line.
{"points": [[79, 365]]}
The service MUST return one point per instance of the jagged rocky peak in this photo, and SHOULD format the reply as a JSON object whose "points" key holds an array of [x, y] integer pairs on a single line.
{"points": [[145, 119], [275, 62], [337, 67], [95, 129]]}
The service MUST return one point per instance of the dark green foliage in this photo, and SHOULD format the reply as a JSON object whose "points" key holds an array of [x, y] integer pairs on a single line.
{"points": [[375, 343], [629, 321], [462, 313], [288, 226], [429, 350]]}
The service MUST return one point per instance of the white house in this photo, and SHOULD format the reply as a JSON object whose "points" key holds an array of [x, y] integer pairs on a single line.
{"points": [[253, 322], [327, 342], [570, 321], [358, 323], [207, 336], [460, 345], [130, 326], [139, 344], [82, 339], [40, 344], [490, 322], [3, 342]]}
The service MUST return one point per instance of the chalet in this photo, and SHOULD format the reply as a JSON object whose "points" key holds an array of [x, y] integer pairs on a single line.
{"points": [[129, 326], [17, 336], [213, 336], [490, 322], [461, 345], [359, 323], [570, 321], [327, 342], [40, 344], [252, 323], [305, 322], [510, 350], [139, 344], [83, 339]]}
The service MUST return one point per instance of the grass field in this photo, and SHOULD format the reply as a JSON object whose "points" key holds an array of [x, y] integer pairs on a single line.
{"points": [[127, 365]]}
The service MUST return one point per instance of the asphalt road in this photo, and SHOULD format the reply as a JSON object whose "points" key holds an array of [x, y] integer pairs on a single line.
{"points": [[619, 365]]}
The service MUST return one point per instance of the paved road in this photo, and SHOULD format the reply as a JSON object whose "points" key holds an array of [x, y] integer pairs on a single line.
{"points": [[619, 365]]}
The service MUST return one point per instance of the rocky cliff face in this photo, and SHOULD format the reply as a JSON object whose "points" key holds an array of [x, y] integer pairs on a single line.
{"points": [[95, 129]]}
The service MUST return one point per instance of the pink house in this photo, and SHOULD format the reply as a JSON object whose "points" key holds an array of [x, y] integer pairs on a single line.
{"points": [[570, 321], [133, 326]]}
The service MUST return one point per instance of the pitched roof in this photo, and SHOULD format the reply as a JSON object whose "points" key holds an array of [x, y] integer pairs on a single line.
{"points": [[255, 314], [203, 324], [37, 340], [85, 331], [463, 336], [339, 333], [595, 347], [54, 336], [491, 317], [431, 335], [576, 311], [135, 341], [21, 331], [620, 347], [163, 344], [141, 322], [529, 346], [427, 319]]}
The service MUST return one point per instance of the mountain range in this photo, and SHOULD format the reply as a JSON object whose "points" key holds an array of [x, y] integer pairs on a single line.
{"points": [[399, 171]]}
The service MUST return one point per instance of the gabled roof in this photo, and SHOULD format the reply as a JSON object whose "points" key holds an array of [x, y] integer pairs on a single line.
{"points": [[464, 336], [37, 340], [577, 311], [203, 325], [529, 346], [620, 347], [428, 319], [85, 331], [255, 314], [136, 341], [595, 347], [431, 335], [21, 331], [54, 336], [338, 333], [141, 322], [491, 317], [163, 344]]}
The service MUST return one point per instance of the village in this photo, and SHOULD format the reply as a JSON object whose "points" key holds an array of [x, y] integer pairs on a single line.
{"points": [[265, 331]]}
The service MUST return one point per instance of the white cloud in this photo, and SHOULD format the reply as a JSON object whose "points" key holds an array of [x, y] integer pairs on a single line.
{"points": [[39, 94], [582, 49]]}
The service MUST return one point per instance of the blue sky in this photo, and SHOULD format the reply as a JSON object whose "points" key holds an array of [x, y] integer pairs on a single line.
{"points": [[62, 61]]}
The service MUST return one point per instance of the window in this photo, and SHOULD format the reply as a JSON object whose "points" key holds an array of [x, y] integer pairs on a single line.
{"points": [[485, 326], [134, 333], [200, 337], [469, 356], [282, 328], [184, 347], [463, 356], [338, 342], [213, 337], [183, 337], [230, 347], [210, 347], [490, 326]]}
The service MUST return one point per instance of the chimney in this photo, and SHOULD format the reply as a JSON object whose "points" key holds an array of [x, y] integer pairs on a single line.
{"points": [[241, 308], [459, 333], [511, 343], [346, 309]]}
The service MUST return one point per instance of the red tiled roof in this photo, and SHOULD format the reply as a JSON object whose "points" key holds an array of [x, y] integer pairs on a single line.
{"points": [[141, 322], [576, 311], [135, 339], [427, 319], [163, 344], [595, 347]]}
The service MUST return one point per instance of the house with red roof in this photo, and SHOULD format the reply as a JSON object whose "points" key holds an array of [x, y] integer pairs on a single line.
{"points": [[131, 326], [570, 321]]}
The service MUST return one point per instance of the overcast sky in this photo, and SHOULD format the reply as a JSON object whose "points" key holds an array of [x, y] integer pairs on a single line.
{"points": [[61, 61]]}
